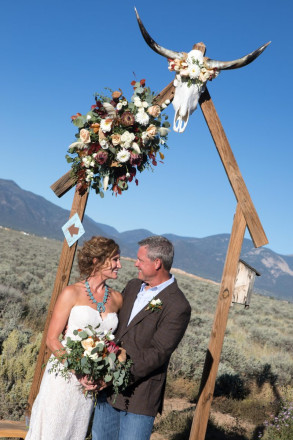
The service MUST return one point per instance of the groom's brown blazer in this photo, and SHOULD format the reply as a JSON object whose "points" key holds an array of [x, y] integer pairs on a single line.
{"points": [[149, 340]]}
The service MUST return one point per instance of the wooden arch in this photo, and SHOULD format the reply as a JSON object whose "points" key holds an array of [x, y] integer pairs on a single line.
{"points": [[245, 216]]}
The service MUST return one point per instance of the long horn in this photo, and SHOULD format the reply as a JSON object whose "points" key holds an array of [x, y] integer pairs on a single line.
{"points": [[153, 45], [225, 65]]}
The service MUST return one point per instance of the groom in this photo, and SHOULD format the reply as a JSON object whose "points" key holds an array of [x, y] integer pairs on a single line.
{"points": [[149, 335]]}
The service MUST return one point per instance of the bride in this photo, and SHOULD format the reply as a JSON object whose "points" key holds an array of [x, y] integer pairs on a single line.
{"points": [[61, 410]]}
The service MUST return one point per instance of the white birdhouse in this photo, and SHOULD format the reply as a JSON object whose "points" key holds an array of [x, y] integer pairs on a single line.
{"points": [[244, 283]]}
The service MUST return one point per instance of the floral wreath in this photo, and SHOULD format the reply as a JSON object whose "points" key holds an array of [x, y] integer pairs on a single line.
{"points": [[192, 70], [116, 138]]}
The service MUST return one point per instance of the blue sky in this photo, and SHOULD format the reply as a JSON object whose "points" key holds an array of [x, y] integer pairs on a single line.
{"points": [[56, 55]]}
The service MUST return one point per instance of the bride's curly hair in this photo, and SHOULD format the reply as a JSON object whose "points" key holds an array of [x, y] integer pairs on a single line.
{"points": [[99, 248]]}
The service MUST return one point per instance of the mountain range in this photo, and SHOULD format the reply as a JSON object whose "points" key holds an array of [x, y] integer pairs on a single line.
{"points": [[25, 211]]}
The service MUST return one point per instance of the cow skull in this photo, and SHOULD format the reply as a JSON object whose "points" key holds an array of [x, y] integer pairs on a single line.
{"points": [[193, 71]]}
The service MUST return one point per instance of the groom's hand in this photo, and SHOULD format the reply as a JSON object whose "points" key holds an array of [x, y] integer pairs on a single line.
{"points": [[88, 384]]}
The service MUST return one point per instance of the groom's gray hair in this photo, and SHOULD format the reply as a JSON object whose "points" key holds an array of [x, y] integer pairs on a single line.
{"points": [[159, 247]]}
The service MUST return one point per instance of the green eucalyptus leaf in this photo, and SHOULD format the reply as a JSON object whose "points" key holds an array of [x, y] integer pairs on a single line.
{"points": [[79, 121], [108, 378]]}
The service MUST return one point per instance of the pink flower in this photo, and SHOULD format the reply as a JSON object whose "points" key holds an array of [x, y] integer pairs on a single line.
{"points": [[101, 157], [112, 347]]}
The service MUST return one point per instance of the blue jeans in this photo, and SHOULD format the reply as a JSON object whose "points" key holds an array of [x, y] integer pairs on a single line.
{"points": [[113, 424]]}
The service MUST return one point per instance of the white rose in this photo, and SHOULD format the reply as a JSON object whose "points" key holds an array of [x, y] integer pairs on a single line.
{"points": [[126, 139], [119, 106], [90, 355]]}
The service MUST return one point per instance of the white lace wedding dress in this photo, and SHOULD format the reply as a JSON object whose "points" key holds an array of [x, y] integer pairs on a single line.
{"points": [[61, 411]]}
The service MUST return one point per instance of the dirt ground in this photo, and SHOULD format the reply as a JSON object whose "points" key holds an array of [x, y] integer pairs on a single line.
{"points": [[223, 420]]}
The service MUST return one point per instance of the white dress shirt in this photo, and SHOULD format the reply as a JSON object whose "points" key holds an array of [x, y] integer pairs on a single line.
{"points": [[145, 296]]}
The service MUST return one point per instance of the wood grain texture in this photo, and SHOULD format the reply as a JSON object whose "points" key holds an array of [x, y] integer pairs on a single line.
{"points": [[12, 429], [166, 93], [201, 415], [232, 170], [64, 184], [61, 281]]}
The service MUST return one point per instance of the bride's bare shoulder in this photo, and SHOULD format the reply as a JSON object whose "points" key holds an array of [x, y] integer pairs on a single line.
{"points": [[117, 298]]}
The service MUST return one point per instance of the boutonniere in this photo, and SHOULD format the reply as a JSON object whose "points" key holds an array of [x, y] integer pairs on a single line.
{"points": [[154, 304]]}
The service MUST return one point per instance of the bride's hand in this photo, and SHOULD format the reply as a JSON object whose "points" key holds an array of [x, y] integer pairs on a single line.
{"points": [[122, 355], [87, 383]]}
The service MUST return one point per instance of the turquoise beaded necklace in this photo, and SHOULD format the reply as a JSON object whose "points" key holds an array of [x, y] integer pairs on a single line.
{"points": [[100, 305]]}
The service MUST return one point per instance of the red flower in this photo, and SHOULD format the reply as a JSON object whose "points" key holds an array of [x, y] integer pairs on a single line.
{"points": [[133, 83], [112, 347], [75, 116], [142, 82]]}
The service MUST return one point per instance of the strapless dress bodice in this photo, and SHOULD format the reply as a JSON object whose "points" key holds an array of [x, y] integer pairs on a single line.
{"points": [[81, 316]]}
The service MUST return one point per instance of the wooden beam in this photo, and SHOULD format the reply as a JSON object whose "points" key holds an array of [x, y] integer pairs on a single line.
{"points": [[61, 281], [166, 93], [64, 184], [234, 175], [202, 410]]}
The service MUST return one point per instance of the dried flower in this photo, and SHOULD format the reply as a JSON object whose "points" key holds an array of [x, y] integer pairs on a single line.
{"points": [[127, 119]]}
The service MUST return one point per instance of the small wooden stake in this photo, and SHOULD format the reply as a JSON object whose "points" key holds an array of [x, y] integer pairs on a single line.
{"points": [[202, 410], [61, 281]]}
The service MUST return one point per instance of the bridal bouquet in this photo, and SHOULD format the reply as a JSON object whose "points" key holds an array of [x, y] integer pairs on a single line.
{"points": [[117, 138], [93, 354]]}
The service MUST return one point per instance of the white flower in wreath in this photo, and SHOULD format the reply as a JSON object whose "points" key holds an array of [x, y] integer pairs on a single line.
{"points": [[86, 161], [104, 144], [123, 155], [126, 139], [89, 175], [142, 117], [135, 147], [124, 103], [144, 137], [119, 106], [106, 182], [137, 101], [106, 125], [194, 71]]}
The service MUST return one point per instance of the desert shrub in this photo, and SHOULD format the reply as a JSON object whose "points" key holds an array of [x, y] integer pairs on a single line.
{"points": [[17, 363], [181, 387], [177, 422]]}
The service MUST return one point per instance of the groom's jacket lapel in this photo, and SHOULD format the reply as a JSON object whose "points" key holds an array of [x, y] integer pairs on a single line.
{"points": [[128, 305]]}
